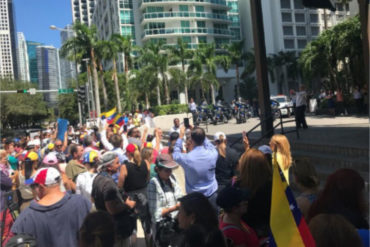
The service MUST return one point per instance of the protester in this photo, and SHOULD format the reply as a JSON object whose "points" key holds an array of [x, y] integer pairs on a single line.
{"points": [[226, 162], [343, 194], [147, 157], [199, 164], [281, 148], [97, 230], [176, 126], [333, 230], [255, 174], [198, 220], [108, 198], [85, 179], [307, 182], [67, 211], [300, 109], [74, 166], [163, 194], [27, 170], [357, 96], [234, 202]]}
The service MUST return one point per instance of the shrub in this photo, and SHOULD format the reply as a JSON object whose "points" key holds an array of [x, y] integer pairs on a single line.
{"points": [[170, 109]]}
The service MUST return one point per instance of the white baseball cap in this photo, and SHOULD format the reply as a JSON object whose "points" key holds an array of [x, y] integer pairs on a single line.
{"points": [[45, 176], [217, 136]]}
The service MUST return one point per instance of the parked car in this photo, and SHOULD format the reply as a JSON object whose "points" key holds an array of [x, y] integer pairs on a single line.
{"points": [[284, 102]]}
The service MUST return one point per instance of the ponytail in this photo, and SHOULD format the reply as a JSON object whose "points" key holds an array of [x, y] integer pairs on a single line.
{"points": [[28, 165], [137, 157], [222, 147]]}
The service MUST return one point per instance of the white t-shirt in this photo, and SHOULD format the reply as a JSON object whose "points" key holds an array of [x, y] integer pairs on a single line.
{"points": [[84, 183]]}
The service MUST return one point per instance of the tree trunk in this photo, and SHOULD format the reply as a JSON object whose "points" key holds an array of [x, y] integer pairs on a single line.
{"points": [[105, 96], [365, 25], [147, 104], [166, 89], [186, 85], [237, 81], [158, 96], [213, 94], [118, 98], [96, 83]]}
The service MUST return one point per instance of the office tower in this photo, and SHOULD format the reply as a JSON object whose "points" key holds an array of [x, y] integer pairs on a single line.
{"points": [[23, 63], [48, 71], [289, 26], [82, 11], [8, 57], [32, 60], [67, 68]]}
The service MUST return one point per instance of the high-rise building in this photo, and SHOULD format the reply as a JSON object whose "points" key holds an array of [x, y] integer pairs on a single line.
{"points": [[289, 26], [67, 68], [8, 57], [48, 71], [23, 63], [194, 21], [32, 59], [82, 11]]}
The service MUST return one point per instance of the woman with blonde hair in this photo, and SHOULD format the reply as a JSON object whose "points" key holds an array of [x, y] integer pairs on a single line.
{"points": [[280, 145], [147, 156], [255, 174]]}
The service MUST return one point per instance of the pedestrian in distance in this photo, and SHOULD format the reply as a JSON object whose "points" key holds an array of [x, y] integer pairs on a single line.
{"points": [[300, 110]]}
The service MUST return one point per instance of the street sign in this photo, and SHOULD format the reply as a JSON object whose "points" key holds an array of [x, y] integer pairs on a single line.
{"points": [[32, 91], [65, 90]]}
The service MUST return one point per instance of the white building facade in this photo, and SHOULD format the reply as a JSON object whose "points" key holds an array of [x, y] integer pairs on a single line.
{"points": [[82, 11], [8, 60], [289, 26], [48, 68], [22, 55]]}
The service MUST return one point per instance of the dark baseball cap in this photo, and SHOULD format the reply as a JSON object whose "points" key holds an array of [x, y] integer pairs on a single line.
{"points": [[166, 161], [231, 196]]}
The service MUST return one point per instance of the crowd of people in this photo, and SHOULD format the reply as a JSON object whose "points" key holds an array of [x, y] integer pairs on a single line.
{"points": [[92, 190]]}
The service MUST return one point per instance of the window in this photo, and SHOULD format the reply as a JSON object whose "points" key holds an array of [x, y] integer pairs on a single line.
{"points": [[233, 6], [185, 24], [286, 17], [202, 39], [128, 30], [285, 4], [126, 17], [219, 42], [298, 4], [186, 39], [184, 8], [314, 18], [155, 25], [154, 9], [339, 7], [302, 43], [199, 8], [315, 31], [287, 30], [299, 18], [289, 43], [201, 24], [301, 31], [236, 34]]}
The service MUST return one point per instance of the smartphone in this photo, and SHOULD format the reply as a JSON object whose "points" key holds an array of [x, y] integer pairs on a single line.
{"points": [[124, 128], [244, 134], [186, 123]]}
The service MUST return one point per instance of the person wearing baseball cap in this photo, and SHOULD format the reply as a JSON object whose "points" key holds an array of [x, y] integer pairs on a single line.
{"points": [[163, 193], [227, 160], [234, 202], [85, 180], [62, 214]]}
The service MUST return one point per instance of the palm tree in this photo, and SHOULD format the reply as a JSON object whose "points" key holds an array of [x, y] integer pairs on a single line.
{"points": [[99, 53], [177, 78], [84, 43], [235, 56], [181, 53]]}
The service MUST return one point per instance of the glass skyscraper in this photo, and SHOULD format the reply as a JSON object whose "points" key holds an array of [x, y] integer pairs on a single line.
{"points": [[32, 59]]}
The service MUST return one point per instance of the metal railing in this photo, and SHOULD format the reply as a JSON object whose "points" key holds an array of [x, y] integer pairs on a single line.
{"points": [[184, 14], [186, 31], [280, 123], [218, 2]]}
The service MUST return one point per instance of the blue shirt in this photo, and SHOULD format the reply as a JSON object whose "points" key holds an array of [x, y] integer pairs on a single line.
{"points": [[199, 166]]}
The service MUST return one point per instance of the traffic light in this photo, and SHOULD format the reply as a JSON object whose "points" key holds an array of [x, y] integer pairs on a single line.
{"points": [[319, 4], [82, 93]]}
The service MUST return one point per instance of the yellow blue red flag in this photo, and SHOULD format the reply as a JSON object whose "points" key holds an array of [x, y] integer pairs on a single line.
{"points": [[109, 115], [288, 227]]}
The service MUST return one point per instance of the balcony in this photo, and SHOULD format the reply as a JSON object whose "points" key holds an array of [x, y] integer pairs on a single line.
{"points": [[221, 4], [180, 15], [164, 32]]}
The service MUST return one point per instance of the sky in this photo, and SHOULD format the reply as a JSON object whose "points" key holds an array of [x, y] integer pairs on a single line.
{"points": [[34, 17]]}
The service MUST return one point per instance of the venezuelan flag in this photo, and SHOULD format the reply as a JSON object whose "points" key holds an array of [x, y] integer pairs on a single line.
{"points": [[288, 227], [108, 114], [120, 120]]}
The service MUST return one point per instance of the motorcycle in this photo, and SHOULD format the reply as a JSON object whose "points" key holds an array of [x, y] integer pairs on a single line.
{"points": [[240, 113], [218, 115]]}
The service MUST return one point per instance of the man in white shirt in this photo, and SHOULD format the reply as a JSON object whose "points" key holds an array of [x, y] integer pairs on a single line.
{"points": [[193, 110], [301, 99], [176, 127]]}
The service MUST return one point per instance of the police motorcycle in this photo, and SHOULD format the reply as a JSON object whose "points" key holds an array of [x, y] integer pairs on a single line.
{"points": [[240, 112], [204, 114], [218, 115]]}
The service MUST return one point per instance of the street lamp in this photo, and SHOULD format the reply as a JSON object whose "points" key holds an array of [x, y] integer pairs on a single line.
{"points": [[53, 27]]}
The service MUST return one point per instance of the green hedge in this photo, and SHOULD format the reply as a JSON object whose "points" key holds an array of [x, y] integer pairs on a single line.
{"points": [[170, 109]]}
